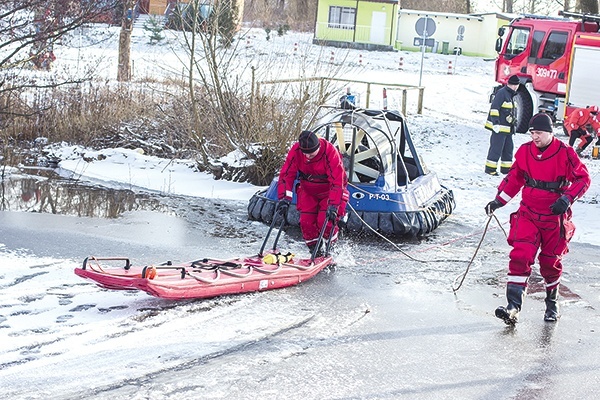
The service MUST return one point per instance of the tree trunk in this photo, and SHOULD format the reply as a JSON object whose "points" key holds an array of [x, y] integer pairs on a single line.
{"points": [[509, 6], [124, 68], [194, 106], [302, 7], [588, 6]]}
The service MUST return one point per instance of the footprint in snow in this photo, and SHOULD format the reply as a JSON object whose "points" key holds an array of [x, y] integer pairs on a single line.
{"points": [[109, 309], [63, 318], [82, 307]]}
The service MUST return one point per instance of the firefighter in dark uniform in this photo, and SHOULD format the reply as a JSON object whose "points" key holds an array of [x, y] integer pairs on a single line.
{"points": [[500, 121]]}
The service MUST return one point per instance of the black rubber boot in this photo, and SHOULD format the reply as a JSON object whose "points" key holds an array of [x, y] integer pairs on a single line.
{"points": [[515, 295], [551, 314], [588, 140]]}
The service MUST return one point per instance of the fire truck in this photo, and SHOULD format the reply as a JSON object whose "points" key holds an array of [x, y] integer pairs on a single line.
{"points": [[557, 61]]}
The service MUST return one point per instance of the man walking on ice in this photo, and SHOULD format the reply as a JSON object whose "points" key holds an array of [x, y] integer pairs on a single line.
{"points": [[552, 177]]}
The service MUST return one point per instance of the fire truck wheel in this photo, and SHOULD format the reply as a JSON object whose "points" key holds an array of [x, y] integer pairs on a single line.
{"points": [[524, 111]]}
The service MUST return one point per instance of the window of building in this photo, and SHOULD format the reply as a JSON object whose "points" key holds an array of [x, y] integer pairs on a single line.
{"points": [[341, 17]]}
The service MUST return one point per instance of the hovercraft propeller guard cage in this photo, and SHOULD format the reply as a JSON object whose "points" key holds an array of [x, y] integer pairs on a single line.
{"points": [[390, 187]]}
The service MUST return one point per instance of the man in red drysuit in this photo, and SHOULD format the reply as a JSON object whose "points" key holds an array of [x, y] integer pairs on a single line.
{"points": [[576, 126], [552, 177], [321, 191]]}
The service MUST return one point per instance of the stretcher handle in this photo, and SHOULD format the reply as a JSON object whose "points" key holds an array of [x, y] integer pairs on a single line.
{"points": [[320, 239], [127, 262], [262, 248]]}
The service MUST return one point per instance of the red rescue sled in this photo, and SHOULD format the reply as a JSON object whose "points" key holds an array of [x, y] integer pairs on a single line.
{"points": [[201, 278], [206, 277]]}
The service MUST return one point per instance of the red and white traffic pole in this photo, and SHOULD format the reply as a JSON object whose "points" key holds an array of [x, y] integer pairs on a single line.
{"points": [[385, 104]]}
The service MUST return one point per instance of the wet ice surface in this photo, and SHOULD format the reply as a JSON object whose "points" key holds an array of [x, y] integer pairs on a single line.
{"points": [[381, 326], [378, 326]]}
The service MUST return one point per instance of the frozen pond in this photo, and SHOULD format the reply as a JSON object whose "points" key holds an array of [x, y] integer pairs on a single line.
{"points": [[378, 326]]}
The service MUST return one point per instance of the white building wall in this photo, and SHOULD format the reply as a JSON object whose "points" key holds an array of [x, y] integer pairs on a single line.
{"points": [[479, 38]]}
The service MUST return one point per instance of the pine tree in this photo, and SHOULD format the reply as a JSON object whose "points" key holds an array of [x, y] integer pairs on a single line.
{"points": [[155, 28]]}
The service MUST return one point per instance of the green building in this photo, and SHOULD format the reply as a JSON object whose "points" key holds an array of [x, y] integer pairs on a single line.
{"points": [[359, 24], [381, 25]]}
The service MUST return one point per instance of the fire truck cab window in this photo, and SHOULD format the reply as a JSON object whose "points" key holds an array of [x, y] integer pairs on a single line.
{"points": [[555, 45], [517, 42], [536, 43]]}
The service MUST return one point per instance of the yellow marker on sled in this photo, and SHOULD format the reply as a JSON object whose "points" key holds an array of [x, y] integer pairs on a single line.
{"points": [[277, 258]]}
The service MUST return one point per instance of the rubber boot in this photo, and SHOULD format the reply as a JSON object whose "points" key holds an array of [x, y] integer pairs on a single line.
{"points": [[588, 140], [551, 314], [515, 295]]}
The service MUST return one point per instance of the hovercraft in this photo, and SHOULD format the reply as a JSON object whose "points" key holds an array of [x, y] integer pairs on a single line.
{"points": [[391, 190]]}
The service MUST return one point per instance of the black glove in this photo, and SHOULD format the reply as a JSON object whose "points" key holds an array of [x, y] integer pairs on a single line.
{"points": [[492, 206], [560, 206], [282, 206], [332, 213]]}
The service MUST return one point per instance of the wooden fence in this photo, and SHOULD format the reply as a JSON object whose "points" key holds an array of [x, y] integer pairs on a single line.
{"points": [[369, 89]]}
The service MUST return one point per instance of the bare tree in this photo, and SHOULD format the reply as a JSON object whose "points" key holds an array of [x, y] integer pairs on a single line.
{"points": [[588, 6], [298, 14], [451, 6], [538, 7], [227, 112], [30, 28], [124, 68], [508, 6]]}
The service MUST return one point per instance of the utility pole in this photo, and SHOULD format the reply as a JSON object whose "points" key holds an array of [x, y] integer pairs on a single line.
{"points": [[124, 68]]}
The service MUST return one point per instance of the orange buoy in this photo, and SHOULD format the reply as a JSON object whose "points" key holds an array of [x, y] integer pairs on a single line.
{"points": [[151, 272]]}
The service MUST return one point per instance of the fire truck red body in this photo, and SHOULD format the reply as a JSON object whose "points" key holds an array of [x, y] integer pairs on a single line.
{"points": [[557, 61]]}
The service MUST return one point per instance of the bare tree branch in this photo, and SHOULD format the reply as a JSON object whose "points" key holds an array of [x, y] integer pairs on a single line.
{"points": [[28, 31], [29, 28]]}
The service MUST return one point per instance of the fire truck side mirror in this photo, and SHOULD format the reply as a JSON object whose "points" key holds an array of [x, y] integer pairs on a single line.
{"points": [[498, 45], [501, 31]]}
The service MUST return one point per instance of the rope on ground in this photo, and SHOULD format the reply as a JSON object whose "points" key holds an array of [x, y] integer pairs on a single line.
{"points": [[464, 275], [395, 245], [383, 237]]}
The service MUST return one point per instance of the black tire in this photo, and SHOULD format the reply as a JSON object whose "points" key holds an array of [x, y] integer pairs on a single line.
{"points": [[256, 210], [251, 205], [524, 110], [268, 211]]}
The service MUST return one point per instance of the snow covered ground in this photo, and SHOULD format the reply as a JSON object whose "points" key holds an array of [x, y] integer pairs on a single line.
{"points": [[449, 133], [42, 331]]}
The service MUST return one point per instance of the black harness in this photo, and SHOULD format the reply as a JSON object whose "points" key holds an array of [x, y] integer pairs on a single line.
{"points": [[312, 178], [545, 185]]}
